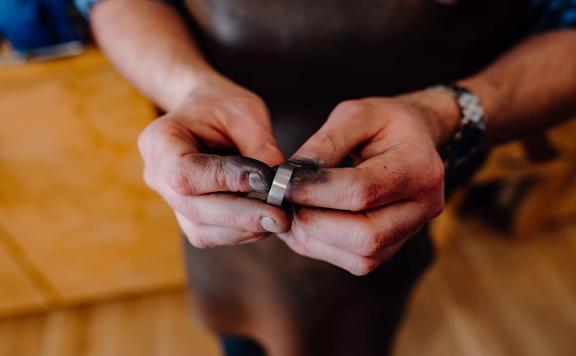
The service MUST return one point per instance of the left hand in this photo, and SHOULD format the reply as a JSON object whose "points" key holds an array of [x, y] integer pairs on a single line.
{"points": [[358, 217]]}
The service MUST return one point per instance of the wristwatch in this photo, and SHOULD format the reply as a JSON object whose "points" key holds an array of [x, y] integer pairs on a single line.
{"points": [[466, 140]]}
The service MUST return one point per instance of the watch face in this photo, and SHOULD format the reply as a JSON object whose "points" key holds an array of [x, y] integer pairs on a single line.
{"points": [[470, 106]]}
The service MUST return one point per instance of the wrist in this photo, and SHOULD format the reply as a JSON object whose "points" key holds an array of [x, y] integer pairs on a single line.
{"points": [[442, 114], [187, 84]]}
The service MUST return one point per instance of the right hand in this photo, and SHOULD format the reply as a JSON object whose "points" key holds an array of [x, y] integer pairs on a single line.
{"points": [[219, 116]]}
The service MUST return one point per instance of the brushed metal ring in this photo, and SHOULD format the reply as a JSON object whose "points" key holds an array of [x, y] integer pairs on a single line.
{"points": [[280, 184]]}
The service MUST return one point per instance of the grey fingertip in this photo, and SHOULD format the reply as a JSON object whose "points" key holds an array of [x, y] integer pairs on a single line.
{"points": [[268, 224], [257, 182]]}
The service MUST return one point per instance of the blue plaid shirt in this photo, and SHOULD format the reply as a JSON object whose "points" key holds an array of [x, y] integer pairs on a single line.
{"points": [[551, 14]]}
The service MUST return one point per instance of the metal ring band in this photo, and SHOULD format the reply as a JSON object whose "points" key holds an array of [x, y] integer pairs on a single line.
{"points": [[280, 183]]}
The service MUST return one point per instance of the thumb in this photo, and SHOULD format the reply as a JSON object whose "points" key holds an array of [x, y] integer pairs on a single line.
{"points": [[332, 143], [255, 140]]}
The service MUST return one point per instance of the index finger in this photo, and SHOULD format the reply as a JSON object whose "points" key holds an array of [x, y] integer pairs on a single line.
{"points": [[173, 163], [198, 173], [375, 182]]}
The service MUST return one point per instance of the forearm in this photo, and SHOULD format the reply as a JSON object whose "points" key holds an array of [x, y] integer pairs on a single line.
{"points": [[530, 88], [148, 42]]}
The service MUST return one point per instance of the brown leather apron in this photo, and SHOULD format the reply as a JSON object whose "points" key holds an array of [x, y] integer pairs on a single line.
{"points": [[303, 57]]}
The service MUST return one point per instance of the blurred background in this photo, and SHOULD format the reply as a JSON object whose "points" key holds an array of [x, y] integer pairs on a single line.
{"points": [[90, 259]]}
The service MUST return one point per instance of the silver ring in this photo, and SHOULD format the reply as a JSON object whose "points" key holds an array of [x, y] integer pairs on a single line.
{"points": [[280, 184]]}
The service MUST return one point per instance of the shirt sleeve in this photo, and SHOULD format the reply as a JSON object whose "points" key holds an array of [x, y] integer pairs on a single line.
{"points": [[553, 14]]}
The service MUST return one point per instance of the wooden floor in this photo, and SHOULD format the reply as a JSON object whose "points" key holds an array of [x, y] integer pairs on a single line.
{"points": [[77, 223], [159, 325], [485, 295], [489, 294]]}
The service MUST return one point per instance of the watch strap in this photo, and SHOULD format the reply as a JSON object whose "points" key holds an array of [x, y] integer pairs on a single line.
{"points": [[466, 140]]}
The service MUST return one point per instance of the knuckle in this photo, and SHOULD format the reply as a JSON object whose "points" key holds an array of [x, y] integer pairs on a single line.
{"points": [[363, 266], [435, 175], [389, 234], [433, 191], [249, 106], [225, 173], [365, 194], [254, 106], [352, 108], [438, 174], [198, 241], [180, 180], [160, 129], [155, 128], [439, 206], [145, 147], [220, 180], [196, 237], [394, 232], [204, 238], [368, 241], [328, 141], [435, 208]]}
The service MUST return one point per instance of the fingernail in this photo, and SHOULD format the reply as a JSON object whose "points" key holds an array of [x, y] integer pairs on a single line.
{"points": [[257, 182], [307, 160], [268, 224]]}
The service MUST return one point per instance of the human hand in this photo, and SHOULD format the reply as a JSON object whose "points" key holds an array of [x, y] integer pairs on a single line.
{"points": [[358, 217], [218, 117]]}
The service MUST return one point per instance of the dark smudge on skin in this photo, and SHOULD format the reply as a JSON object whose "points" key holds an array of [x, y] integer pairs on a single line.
{"points": [[200, 161], [307, 172], [248, 165], [234, 166]]}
